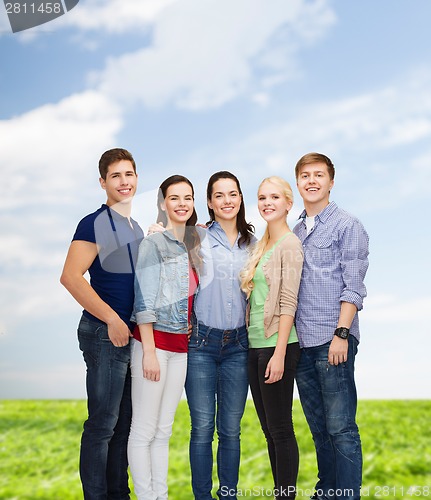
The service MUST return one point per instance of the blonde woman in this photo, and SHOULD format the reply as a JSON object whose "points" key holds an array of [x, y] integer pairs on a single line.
{"points": [[271, 279]]}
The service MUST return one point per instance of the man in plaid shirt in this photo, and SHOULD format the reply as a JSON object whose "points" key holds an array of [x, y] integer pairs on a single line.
{"points": [[331, 294]]}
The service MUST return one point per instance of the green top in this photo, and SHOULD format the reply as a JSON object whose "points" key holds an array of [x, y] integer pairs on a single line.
{"points": [[256, 331]]}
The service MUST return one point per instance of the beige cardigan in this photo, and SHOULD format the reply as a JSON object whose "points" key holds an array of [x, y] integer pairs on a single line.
{"points": [[283, 274]]}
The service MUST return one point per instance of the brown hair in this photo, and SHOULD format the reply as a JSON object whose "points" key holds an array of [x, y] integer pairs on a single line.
{"points": [[310, 158], [113, 156]]}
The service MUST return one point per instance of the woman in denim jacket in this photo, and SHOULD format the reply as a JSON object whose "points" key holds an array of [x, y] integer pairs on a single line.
{"points": [[217, 382], [166, 278]]}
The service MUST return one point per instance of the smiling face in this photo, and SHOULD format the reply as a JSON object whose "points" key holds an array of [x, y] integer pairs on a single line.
{"points": [[120, 183], [225, 200], [272, 202], [178, 204], [314, 185]]}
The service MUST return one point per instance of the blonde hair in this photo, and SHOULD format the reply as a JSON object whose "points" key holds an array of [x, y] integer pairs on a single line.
{"points": [[247, 273]]}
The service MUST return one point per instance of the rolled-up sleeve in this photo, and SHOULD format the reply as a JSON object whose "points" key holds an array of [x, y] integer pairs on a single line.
{"points": [[147, 278], [354, 246]]}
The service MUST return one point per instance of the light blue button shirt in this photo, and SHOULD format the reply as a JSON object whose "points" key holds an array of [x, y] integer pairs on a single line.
{"points": [[219, 302]]}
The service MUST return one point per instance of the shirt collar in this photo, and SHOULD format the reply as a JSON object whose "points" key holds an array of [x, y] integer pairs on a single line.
{"points": [[169, 235], [324, 215], [218, 233], [113, 212]]}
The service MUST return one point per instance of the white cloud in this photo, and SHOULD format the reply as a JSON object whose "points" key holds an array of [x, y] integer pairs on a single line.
{"points": [[375, 121], [49, 149], [51, 155], [205, 53], [381, 134], [390, 309], [261, 99], [35, 295], [115, 16]]}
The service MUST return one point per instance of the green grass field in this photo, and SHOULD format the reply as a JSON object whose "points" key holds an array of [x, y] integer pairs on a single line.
{"points": [[39, 447]]}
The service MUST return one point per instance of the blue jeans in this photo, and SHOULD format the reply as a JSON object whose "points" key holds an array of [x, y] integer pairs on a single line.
{"points": [[103, 458], [216, 388], [328, 397]]}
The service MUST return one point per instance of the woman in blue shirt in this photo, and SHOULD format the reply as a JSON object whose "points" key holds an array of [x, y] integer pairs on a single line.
{"points": [[217, 382], [166, 277]]}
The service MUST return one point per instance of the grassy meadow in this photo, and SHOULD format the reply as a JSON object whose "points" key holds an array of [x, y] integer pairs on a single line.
{"points": [[39, 447]]}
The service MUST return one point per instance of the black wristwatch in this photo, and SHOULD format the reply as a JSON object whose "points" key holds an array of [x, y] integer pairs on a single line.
{"points": [[342, 332]]}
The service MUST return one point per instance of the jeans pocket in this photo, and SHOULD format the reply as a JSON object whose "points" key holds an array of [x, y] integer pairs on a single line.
{"points": [[89, 343], [331, 377], [242, 342], [94, 342], [196, 341]]}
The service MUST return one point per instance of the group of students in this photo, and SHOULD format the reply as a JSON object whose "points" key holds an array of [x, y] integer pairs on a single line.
{"points": [[211, 309]]}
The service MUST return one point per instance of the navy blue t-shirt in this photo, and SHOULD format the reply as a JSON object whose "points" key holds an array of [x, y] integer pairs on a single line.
{"points": [[112, 272]]}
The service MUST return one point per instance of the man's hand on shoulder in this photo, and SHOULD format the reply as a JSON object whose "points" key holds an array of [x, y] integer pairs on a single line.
{"points": [[156, 228]]}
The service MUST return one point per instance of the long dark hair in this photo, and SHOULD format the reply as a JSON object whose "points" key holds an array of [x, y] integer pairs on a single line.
{"points": [[245, 229], [191, 236]]}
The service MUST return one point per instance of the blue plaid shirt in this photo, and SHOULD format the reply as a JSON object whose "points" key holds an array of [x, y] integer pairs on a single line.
{"points": [[335, 264]]}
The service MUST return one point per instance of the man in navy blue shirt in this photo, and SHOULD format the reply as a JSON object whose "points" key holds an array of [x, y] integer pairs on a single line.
{"points": [[331, 294], [106, 245]]}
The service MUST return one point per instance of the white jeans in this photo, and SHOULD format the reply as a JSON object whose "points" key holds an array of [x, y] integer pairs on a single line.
{"points": [[154, 405]]}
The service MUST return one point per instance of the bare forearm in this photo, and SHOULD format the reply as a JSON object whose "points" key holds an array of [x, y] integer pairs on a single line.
{"points": [[150, 363], [78, 261], [347, 313], [338, 349], [85, 295], [284, 328], [147, 337]]}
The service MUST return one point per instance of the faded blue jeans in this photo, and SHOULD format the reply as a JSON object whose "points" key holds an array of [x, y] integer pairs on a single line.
{"points": [[328, 397], [103, 458], [216, 388]]}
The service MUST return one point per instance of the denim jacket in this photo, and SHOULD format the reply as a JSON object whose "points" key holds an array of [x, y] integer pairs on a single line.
{"points": [[162, 283]]}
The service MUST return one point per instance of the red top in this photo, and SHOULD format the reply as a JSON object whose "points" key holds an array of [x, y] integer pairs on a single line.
{"points": [[174, 342]]}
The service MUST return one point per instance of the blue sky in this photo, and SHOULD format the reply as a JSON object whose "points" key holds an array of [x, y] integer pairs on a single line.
{"points": [[195, 86]]}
